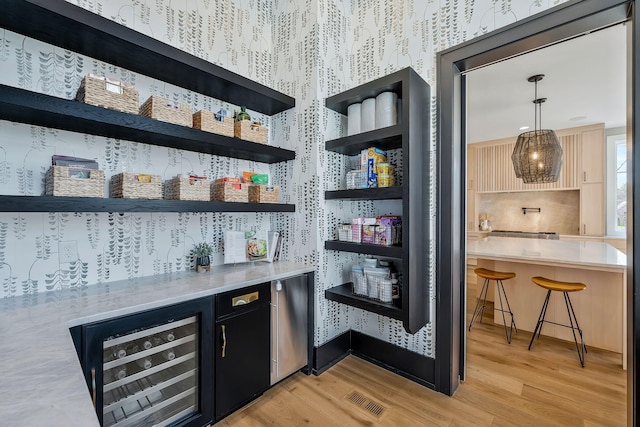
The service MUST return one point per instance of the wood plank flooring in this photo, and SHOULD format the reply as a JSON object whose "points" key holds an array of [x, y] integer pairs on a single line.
{"points": [[506, 385]]}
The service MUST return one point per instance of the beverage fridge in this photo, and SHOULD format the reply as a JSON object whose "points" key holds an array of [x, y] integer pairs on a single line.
{"points": [[151, 368]]}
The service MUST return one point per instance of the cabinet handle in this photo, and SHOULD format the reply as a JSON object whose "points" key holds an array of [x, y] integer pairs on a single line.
{"points": [[224, 340], [584, 176], [584, 228], [93, 386]]}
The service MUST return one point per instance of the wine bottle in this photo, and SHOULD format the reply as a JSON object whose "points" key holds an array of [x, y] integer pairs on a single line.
{"points": [[145, 362], [146, 343], [169, 336], [169, 354], [120, 372]]}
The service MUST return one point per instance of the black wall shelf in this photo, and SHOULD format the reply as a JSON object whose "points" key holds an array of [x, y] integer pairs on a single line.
{"points": [[96, 204], [411, 136], [344, 295], [387, 138], [19, 105], [382, 193], [363, 248], [63, 24]]}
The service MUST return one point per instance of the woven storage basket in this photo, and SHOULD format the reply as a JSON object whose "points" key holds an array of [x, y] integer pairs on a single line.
{"points": [[162, 109], [264, 194], [108, 93], [245, 129], [208, 121], [229, 192], [135, 186], [62, 181], [186, 188]]}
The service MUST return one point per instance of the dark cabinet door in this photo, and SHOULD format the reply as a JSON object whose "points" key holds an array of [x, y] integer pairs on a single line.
{"points": [[242, 355]]}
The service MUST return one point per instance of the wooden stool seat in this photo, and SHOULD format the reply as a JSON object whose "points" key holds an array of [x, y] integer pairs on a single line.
{"points": [[564, 287], [556, 285], [478, 312], [494, 275]]}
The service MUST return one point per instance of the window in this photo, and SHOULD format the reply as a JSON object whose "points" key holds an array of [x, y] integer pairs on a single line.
{"points": [[617, 184]]}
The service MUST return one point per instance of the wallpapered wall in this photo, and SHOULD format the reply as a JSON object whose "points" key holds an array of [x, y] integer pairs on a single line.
{"points": [[308, 50]]}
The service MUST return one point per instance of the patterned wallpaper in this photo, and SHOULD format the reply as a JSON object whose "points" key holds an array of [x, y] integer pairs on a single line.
{"points": [[308, 50]]}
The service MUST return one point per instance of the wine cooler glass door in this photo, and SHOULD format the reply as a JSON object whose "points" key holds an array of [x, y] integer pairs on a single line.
{"points": [[150, 375]]}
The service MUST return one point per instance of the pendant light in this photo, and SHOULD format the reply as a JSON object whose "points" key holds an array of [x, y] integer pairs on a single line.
{"points": [[537, 157]]}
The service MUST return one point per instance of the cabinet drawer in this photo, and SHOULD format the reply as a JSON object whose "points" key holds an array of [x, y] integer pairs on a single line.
{"points": [[241, 300]]}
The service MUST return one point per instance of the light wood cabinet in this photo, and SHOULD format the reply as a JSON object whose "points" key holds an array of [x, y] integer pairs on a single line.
{"points": [[592, 155], [592, 219]]}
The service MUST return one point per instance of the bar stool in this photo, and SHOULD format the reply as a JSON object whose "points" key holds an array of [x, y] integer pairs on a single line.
{"points": [[565, 288], [498, 276]]}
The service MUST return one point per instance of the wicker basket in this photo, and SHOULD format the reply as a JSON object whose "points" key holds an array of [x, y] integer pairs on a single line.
{"points": [[108, 93], [162, 109], [208, 121], [249, 131], [64, 181], [229, 192], [135, 186], [187, 188], [264, 193]]}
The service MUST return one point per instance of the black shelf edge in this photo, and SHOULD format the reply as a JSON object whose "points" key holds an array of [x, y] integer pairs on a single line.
{"points": [[392, 82], [71, 27], [387, 138], [19, 105], [361, 248], [382, 193], [344, 295], [96, 204]]}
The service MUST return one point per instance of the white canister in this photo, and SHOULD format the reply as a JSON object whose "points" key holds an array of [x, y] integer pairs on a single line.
{"points": [[353, 118], [386, 109], [368, 115]]}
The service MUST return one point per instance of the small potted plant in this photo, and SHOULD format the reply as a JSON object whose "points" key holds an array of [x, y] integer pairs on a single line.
{"points": [[202, 251]]}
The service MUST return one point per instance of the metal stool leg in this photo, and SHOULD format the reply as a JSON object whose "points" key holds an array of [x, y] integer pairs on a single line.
{"points": [[478, 309], [502, 292], [543, 313], [582, 349]]}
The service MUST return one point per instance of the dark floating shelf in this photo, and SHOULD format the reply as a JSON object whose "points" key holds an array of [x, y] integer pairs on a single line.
{"points": [[360, 248], [388, 138], [63, 24], [344, 295], [95, 204], [383, 193], [19, 105]]}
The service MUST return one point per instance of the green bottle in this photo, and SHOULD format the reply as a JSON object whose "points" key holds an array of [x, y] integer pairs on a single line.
{"points": [[243, 115]]}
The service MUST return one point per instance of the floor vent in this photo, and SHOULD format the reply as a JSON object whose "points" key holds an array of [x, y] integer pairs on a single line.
{"points": [[367, 405]]}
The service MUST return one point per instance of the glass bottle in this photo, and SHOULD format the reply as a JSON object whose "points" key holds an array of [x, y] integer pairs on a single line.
{"points": [[243, 115]]}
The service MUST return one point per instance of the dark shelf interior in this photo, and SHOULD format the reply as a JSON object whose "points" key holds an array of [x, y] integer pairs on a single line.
{"points": [[388, 138], [361, 248], [389, 83], [382, 193], [95, 204], [19, 105], [63, 24], [344, 295]]}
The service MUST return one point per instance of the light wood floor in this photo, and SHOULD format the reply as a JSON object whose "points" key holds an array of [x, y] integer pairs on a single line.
{"points": [[506, 385]]}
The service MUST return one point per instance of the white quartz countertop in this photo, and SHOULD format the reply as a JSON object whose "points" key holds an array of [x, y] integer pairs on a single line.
{"points": [[41, 381], [583, 254]]}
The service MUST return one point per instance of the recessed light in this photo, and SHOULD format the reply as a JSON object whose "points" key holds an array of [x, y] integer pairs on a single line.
{"points": [[577, 118], [524, 127]]}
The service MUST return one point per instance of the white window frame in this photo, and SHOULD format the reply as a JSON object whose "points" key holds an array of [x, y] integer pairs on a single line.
{"points": [[614, 136]]}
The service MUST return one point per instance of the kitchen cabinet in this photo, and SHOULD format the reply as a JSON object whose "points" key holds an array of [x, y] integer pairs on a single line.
{"points": [[411, 137], [151, 368], [592, 188], [68, 26], [242, 347], [592, 155], [592, 217]]}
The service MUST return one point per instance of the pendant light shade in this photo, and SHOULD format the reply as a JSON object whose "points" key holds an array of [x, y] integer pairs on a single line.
{"points": [[537, 157]]}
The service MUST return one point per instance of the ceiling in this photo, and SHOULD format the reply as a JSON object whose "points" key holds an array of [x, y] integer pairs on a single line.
{"points": [[584, 83]]}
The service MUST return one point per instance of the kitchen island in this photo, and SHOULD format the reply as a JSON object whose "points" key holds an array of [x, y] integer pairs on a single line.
{"points": [[600, 308], [42, 380]]}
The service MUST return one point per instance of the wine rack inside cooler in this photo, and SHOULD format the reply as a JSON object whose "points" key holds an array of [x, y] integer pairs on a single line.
{"points": [[150, 375]]}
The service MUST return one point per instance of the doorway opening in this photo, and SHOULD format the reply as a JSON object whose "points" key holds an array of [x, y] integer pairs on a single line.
{"points": [[555, 25]]}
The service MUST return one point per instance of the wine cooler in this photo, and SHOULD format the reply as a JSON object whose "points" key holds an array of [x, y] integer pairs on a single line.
{"points": [[151, 368]]}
